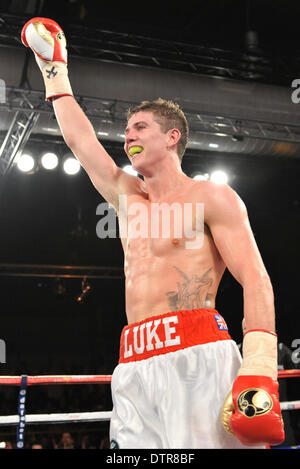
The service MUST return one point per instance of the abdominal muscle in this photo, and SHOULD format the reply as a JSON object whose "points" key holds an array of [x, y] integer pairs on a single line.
{"points": [[163, 276]]}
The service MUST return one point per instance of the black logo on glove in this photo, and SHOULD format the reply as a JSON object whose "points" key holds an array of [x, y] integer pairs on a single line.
{"points": [[254, 402], [51, 72]]}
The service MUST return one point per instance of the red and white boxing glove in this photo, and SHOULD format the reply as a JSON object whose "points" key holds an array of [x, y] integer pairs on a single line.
{"points": [[47, 40], [251, 410]]}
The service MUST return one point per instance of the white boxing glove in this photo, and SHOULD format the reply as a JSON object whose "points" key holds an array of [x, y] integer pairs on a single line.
{"points": [[47, 40]]}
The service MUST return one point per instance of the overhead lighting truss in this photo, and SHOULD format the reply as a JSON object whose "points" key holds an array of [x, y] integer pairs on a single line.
{"points": [[27, 105], [122, 47], [22, 123]]}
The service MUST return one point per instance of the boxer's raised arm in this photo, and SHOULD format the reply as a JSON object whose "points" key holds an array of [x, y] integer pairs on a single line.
{"points": [[46, 39], [80, 137]]}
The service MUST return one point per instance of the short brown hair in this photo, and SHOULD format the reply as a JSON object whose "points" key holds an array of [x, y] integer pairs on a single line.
{"points": [[168, 115]]}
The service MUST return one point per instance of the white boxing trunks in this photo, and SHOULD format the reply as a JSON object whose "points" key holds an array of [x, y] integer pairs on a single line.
{"points": [[169, 386]]}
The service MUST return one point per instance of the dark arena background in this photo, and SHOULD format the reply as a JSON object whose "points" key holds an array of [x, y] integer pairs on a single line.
{"points": [[233, 67]]}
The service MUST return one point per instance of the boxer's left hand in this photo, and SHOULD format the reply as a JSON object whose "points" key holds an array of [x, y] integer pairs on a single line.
{"points": [[252, 411]]}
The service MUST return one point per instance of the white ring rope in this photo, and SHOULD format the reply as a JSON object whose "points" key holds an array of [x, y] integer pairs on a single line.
{"points": [[57, 418], [292, 405], [102, 416]]}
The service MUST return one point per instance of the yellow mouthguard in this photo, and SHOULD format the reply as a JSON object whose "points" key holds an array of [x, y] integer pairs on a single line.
{"points": [[134, 150]]}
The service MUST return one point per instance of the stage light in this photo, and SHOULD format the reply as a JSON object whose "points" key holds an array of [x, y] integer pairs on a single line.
{"points": [[49, 161], [213, 145], [25, 163], [85, 290], [219, 177], [201, 177], [129, 170], [71, 166]]}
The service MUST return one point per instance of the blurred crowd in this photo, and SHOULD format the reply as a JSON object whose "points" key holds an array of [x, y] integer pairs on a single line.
{"points": [[49, 399], [64, 440]]}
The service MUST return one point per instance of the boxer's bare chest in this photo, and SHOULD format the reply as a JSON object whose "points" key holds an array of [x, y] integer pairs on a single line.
{"points": [[161, 228]]}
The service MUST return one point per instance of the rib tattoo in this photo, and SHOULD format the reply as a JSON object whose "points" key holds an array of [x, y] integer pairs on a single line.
{"points": [[192, 292]]}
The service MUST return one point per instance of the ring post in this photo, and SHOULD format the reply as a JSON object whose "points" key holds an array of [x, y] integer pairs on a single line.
{"points": [[21, 413]]}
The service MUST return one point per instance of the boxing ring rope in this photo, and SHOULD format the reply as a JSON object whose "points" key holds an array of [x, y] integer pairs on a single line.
{"points": [[92, 379], [58, 379], [21, 419], [58, 418]]}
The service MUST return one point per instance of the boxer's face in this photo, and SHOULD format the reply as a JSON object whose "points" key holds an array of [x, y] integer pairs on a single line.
{"points": [[144, 131]]}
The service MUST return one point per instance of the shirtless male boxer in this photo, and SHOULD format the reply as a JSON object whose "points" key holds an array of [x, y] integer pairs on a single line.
{"points": [[180, 381]]}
